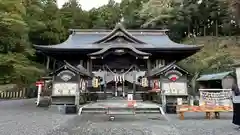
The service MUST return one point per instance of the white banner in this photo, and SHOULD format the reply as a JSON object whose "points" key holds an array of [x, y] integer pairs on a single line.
{"points": [[215, 98]]}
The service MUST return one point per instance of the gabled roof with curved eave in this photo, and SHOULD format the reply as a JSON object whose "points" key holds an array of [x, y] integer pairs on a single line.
{"points": [[119, 30], [172, 65], [79, 69], [99, 39], [120, 46]]}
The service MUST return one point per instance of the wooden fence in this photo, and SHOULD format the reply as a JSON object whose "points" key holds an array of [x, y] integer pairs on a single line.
{"points": [[13, 94]]}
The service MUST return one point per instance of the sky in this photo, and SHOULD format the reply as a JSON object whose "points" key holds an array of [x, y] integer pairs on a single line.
{"points": [[87, 4]]}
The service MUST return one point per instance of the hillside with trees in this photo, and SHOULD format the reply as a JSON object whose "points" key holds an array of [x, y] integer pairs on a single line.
{"points": [[213, 23]]}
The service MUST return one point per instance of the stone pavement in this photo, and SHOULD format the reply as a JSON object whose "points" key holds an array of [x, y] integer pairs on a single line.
{"points": [[21, 117]]}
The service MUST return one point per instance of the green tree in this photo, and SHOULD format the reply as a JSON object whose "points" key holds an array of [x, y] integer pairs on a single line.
{"points": [[106, 16], [13, 28], [14, 43], [130, 13], [54, 31], [34, 13], [74, 17]]}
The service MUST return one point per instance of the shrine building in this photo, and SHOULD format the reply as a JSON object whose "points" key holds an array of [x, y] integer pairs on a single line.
{"points": [[123, 61]]}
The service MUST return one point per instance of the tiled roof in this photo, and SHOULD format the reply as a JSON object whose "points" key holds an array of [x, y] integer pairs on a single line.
{"points": [[217, 76], [86, 39]]}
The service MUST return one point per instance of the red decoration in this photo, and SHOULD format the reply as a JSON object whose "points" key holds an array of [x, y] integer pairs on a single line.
{"points": [[40, 83], [174, 78], [156, 84]]}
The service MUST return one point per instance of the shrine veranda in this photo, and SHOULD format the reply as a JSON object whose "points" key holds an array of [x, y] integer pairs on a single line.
{"points": [[115, 63]]}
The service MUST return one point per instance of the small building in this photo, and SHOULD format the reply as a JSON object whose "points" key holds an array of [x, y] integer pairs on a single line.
{"points": [[223, 80], [173, 81], [68, 82]]}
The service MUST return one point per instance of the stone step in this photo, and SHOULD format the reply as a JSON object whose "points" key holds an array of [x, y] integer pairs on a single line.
{"points": [[104, 112], [120, 110]]}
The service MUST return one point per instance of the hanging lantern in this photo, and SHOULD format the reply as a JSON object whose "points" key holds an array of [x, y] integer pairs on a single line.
{"points": [[144, 82], [95, 82]]}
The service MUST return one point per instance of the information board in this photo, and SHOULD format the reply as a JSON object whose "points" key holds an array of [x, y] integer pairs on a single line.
{"points": [[64, 89], [175, 88]]}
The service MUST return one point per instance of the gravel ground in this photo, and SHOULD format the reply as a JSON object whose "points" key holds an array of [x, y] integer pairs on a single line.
{"points": [[147, 125], [21, 117]]}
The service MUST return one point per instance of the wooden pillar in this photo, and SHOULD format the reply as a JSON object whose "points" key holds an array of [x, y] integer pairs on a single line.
{"points": [[134, 85], [81, 62], [149, 69], [77, 97], [48, 61], [89, 65], [157, 63], [148, 65], [54, 64], [105, 85]]}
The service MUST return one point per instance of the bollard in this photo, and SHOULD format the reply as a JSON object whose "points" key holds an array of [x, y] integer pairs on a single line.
{"points": [[39, 94]]}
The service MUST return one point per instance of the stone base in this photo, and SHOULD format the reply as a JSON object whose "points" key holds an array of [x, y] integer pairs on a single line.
{"points": [[70, 109], [138, 96], [171, 109]]}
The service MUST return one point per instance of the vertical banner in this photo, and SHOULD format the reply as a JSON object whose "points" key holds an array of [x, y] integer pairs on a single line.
{"points": [[179, 101], [130, 97]]}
